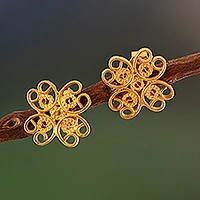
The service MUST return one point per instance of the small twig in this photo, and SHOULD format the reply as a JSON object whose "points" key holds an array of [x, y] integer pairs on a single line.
{"points": [[11, 126]]}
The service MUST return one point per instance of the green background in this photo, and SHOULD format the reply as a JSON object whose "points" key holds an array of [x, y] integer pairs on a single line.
{"points": [[153, 156]]}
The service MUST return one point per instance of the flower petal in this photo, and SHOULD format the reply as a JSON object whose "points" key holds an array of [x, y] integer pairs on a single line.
{"points": [[42, 100], [154, 96], [121, 75]]}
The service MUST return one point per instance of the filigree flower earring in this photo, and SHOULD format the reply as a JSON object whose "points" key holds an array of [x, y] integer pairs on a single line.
{"points": [[58, 113], [136, 83]]}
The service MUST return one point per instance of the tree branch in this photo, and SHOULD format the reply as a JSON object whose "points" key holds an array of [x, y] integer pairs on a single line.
{"points": [[12, 125]]}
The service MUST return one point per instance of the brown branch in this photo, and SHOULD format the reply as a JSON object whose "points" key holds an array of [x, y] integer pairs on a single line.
{"points": [[11, 126]]}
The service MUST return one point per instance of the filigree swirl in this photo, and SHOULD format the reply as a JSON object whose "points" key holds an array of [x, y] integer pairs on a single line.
{"points": [[70, 100], [40, 124], [58, 113], [155, 94], [40, 99], [72, 127], [126, 101], [145, 65], [118, 76]]}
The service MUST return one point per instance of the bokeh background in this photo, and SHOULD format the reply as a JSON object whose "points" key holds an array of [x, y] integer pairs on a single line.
{"points": [[153, 156]]}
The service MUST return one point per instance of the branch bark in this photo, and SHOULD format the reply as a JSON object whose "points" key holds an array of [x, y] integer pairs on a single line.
{"points": [[11, 125]]}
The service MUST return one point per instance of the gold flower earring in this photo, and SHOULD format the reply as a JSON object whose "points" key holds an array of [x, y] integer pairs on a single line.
{"points": [[136, 83], [58, 113]]}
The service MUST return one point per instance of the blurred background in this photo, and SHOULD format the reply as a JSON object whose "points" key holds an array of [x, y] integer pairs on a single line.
{"points": [[153, 156]]}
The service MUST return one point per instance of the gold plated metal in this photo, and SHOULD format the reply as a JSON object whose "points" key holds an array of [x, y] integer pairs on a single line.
{"points": [[136, 83], [58, 113]]}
